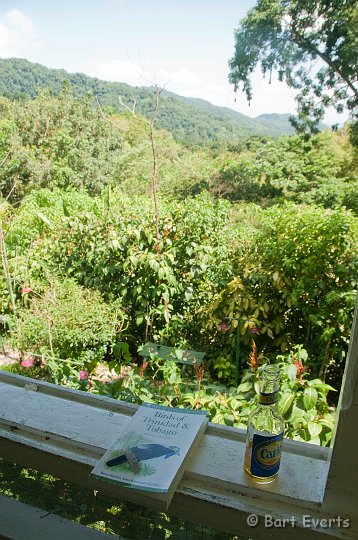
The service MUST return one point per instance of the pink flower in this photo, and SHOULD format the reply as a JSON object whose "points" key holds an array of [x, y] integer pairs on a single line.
{"points": [[224, 327], [26, 290], [254, 330], [28, 362], [84, 375]]}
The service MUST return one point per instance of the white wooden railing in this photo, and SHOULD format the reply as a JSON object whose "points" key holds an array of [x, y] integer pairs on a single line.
{"points": [[64, 432]]}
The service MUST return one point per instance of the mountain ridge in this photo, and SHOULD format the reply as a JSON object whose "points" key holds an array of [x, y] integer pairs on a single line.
{"points": [[193, 121]]}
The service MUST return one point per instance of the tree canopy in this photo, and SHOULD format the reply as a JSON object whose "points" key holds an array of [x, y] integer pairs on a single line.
{"points": [[194, 122], [312, 44]]}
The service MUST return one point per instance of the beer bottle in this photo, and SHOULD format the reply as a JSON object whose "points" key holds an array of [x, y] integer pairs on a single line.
{"points": [[265, 430]]}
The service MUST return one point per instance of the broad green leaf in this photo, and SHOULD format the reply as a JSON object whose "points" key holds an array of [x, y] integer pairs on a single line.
{"points": [[296, 416], [229, 419], [44, 218], [310, 398], [314, 382], [315, 440], [244, 387], [173, 378], [117, 349], [310, 415], [327, 421], [317, 383], [314, 429], [286, 402], [326, 438], [303, 354], [246, 376], [188, 295], [292, 372]]}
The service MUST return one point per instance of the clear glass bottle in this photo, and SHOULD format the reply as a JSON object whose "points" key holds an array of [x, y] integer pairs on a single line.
{"points": [[265, 431]]}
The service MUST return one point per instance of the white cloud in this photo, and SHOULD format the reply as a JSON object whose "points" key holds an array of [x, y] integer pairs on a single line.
{"points": [[181, 80], [120, 71], [144, 73], [184, 79], [210, 84], [17, 35], [19, 20], [9, 44]]}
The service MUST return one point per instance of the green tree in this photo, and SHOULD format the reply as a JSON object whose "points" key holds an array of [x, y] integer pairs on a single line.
{"points": [[321, 170], [56, 141], [295, 282], [313, 46]]}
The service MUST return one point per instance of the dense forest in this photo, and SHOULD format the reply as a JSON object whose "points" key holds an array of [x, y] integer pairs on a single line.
{"points": [[114, 233], [192, 121]]}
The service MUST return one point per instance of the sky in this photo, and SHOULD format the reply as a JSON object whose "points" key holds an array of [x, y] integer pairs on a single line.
{"points": [[182, 44]]}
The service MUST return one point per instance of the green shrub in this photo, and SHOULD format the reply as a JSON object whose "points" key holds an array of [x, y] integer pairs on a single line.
{"points": [[295, 283], [303, 402], [67, 321], [163, 283]]}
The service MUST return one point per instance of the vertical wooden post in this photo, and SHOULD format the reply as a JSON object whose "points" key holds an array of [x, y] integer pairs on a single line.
{"points": [[341, 489]]}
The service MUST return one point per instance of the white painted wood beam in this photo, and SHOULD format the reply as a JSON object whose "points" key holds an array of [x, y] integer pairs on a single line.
{"points": [[341, 494], [64, 432], [19, 521]]}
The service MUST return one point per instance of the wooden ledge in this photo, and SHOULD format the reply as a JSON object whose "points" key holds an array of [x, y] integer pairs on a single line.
{"points": [[18, 521], [64, 432]]}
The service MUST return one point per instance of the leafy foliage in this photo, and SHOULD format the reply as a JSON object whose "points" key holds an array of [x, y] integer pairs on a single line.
{"points": [[60, 142], [214, 260], [117, 253], [65, 321], [289, 37], [295, 282], [321, 171], [194, 122], [303, 402]]}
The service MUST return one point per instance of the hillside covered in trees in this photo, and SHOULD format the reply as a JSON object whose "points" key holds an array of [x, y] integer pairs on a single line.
{"points": [[194, 122]]}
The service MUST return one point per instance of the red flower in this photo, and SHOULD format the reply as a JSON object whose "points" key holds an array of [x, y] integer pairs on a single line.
{"points": [[84, 375], [28, 362], [300, 368], [254, 358], [224, 327], [26, 290]]}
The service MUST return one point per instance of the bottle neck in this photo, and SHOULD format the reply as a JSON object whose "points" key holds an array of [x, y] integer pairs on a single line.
{"points": [[269, 390], [268, 399]]}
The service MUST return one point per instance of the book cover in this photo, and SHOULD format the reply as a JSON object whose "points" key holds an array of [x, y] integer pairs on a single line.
{"points": [[151, 453]]}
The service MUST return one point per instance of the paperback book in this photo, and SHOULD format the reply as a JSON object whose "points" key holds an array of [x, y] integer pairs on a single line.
{"points": [[151, 454]]}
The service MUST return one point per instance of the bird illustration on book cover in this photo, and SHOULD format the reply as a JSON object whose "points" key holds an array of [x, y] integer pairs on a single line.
{"points": [[132, 457]]}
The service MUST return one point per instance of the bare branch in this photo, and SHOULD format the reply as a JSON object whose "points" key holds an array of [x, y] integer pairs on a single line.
{"points": [[5, 265], [154, 153], [5, 158], [11, 190], [131, 110], [150, 123]]}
